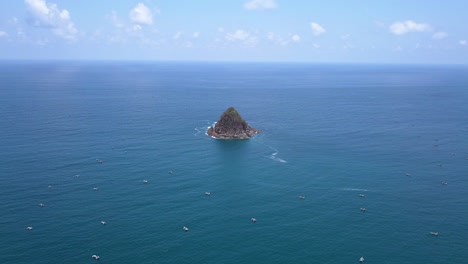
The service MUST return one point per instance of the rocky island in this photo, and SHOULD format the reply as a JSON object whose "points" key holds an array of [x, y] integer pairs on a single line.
{"points": [[231, 126]]}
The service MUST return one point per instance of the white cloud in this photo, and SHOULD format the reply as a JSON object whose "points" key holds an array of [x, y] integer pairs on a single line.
{"points": [[463, 42], [68, 31], [260, 4], [296, 38], [177, 35], [3, 34], [237, 35], [278, 39], [242, 36], [251, 41], [439, 35], [42, 14], [317, 29], [196, 34], [141, 14], [400, 28]]}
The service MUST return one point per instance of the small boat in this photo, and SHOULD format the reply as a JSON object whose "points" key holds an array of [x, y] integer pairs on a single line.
{"points": [[444, 183], [96, 189], [50, 187], [103, 223], [41, 205], [361, 195], [170, 172], [95, 257], [145, 181], [29, 228], [361, 259], [408, 174], [363, 209], [434, 233], [207, 193], [253, 219], [99, 161], [185, 228], [302, 197]]}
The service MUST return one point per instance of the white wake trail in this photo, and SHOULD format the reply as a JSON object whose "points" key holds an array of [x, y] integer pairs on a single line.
{"points": [[274, 157]]}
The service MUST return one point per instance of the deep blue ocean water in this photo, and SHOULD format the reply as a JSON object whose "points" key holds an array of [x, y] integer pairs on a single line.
{"points": [[330, 133]]}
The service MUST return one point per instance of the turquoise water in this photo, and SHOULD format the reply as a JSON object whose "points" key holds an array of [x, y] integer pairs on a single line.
{"points": [[330, 133]]}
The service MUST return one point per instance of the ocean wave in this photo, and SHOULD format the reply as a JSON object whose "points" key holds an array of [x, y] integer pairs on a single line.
{"points": [[354, 189]]}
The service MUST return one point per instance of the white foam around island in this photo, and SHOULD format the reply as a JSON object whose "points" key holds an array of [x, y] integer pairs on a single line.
{"points": [[211, 136], [203, 128], [206, 131]]}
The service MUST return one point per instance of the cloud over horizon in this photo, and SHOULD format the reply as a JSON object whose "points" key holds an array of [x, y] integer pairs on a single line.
{"points": [[260, 4], [42, 14], [242, 36], [237, 35], [141, 14], [296, 38], [264, 30], [317, 29], [401, 28]]}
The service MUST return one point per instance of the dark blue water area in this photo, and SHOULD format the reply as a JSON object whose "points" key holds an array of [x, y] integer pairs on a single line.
{"points": [[393, 133]]}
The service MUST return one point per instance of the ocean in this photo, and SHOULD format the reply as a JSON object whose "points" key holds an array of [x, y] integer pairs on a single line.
{"points": [[397, 134]]}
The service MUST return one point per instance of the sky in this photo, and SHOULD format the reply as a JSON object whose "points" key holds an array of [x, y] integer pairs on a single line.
{"points": [[333, 31]]}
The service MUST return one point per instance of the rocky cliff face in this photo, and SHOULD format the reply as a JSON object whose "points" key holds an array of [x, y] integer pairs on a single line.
{"points": [[231, 126]]}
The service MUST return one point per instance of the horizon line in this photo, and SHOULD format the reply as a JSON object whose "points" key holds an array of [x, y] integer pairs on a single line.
{"points": [[235, 62]]}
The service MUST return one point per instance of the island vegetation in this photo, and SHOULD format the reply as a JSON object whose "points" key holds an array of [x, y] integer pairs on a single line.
{"points": [[231, 126]]}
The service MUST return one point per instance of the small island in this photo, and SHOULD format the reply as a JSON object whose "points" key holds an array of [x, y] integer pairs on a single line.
{"points": [[231, 126]]}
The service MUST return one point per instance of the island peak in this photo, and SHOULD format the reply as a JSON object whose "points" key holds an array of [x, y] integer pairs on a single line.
{"points": [[231, 126]]}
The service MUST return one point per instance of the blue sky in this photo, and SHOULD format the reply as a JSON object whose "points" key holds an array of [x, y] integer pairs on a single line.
{"points": [[358, 31]]}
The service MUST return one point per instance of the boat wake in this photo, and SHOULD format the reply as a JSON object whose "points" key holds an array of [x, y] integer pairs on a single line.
{"points": [[274, 157], [354, 189]]}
